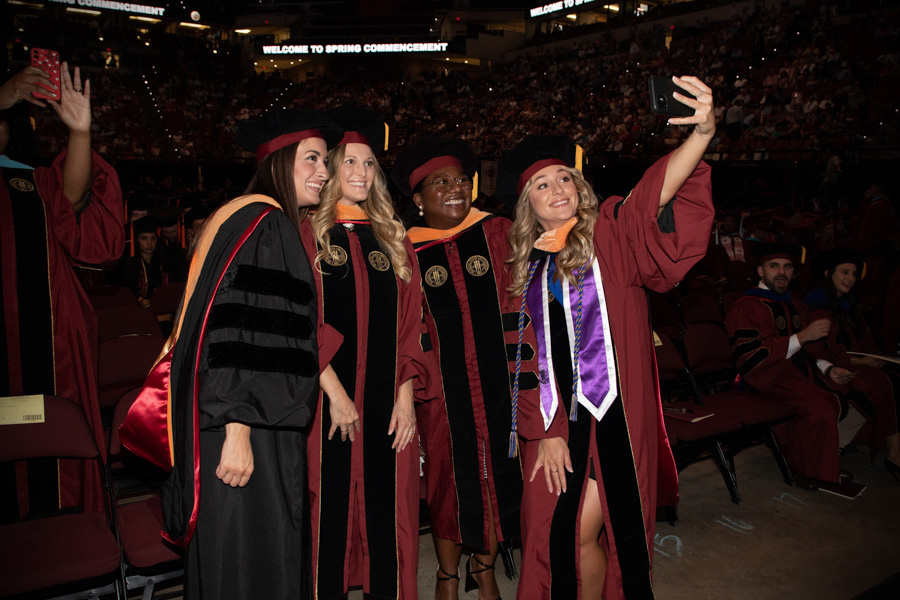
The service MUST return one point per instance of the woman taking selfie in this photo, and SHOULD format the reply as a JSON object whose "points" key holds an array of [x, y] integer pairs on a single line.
{"points": [[474, 486], [364, 485], [588, 519], [244, 376]]}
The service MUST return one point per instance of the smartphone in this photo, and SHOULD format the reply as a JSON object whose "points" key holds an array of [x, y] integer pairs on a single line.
{"points": [[48, 61], [662, 102]]}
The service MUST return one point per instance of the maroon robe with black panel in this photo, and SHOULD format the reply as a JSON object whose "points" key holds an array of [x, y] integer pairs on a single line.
{"points": [[48, 326], [627, 449], [474, 326], [364, 495], [760, 329]]}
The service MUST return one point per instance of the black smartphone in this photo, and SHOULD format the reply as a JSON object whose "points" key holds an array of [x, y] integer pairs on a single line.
{"points": [[662, 101]]}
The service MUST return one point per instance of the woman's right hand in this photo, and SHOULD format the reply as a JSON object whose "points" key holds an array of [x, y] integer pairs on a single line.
{"points": [[340, 406], [343, 414], [553, 456]]}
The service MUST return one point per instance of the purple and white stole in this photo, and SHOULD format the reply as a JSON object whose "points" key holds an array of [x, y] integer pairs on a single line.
{"points": [[595, 386]]}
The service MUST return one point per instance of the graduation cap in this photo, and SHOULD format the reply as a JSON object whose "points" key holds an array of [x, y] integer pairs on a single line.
{"points": [[830, 259], [276, 129], [361, 126], [145, 225], [773, 250], [197, 213], [427, 155], [532, 154]]}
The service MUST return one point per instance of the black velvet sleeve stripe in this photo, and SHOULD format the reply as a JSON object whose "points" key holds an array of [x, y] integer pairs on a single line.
{"points": [[746, 347], [666, 220], [743, 334], [753, 361], [250, 357], [527, 352], [272, 282], [527, 380], [511, 321], [265, 320], [425, 342]]}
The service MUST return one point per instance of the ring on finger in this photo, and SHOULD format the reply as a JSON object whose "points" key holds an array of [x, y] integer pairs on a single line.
{"points": [[700, 95]]}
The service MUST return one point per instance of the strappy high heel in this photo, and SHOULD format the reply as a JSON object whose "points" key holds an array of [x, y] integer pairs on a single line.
{"points": [[446, 576], [471, 584]]}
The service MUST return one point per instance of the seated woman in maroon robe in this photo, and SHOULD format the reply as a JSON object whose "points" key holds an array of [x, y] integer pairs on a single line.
{"points": [[597, 433], [841, 268]]}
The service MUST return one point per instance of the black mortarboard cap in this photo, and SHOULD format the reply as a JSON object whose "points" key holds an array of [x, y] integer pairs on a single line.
{"points": [[195, 214], [145, 225], [276, 129], [427, 155], [770, 250], [828, 260], [532, 154], [361, 126]]}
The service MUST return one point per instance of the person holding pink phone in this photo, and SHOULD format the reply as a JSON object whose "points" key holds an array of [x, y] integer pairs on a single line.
{"points": [[51, 218]]}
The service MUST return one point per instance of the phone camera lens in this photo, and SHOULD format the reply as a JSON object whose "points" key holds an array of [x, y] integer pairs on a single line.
{"points": [[661, 100]]}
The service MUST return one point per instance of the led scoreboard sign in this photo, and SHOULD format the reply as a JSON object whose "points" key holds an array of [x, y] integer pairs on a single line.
{"points": [[355, 48], [554, 7], [139, 9]]}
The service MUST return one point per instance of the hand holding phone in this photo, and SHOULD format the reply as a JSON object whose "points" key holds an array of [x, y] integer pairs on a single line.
{"points": [[47, 61], [662, 99]]}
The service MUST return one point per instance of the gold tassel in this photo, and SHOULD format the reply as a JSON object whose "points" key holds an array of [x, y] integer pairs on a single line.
{"points": [[863, 275], [475, 186], [387, 136], [579, 157], [802, 255]]}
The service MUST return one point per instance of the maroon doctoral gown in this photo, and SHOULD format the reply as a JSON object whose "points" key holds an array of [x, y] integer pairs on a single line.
{"points": [[364, 496], [760, 328], [49, 328], [627, 449], [473, 324]]}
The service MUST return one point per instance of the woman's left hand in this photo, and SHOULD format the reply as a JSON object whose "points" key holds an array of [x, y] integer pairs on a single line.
{"points": [[74, 108], [704, 114], [403, 418]]}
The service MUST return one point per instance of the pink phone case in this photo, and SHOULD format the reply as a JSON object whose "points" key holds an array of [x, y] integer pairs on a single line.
{"points": [[48, 60]]}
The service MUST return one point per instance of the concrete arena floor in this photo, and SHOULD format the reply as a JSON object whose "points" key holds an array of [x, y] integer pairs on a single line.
{"points": [[781, 543]]}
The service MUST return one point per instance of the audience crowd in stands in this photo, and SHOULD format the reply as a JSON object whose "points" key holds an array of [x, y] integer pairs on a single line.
{"points": [[807, 78]]}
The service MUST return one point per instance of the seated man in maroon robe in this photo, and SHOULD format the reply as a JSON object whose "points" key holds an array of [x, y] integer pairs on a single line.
{"points": [[774, 347], [51, 218]]}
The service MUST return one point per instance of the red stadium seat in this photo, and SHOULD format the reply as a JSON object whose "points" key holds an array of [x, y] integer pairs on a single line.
{"points": [[121, 321], [73, 553], [123, 365]]}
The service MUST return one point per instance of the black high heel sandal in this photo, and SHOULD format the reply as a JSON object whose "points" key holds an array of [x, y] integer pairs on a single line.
{"points": [[446, 576], [471, 584], [890, 466]]}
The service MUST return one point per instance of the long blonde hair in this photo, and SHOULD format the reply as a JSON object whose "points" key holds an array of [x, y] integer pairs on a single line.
{"points": [[579, 248], [378, 207]]}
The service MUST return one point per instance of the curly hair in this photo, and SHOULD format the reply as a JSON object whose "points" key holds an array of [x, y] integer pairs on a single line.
{"points": [[579, 248], [378, 207]]}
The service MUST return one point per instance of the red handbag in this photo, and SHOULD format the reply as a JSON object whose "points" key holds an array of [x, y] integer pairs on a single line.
{"points": [[146, 431]]}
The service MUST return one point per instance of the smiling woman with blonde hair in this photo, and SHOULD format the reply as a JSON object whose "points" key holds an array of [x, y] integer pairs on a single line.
{"points": [[364, 489], [597, 432]]}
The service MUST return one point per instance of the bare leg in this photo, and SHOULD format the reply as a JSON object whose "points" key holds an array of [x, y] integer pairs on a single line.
{"points": [[593, 558], [448, 553], [486, 579]]}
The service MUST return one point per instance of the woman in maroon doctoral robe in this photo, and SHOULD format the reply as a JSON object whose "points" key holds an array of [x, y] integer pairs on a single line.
{"points": [[597, 433], [474, 487], [364, 481]]}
